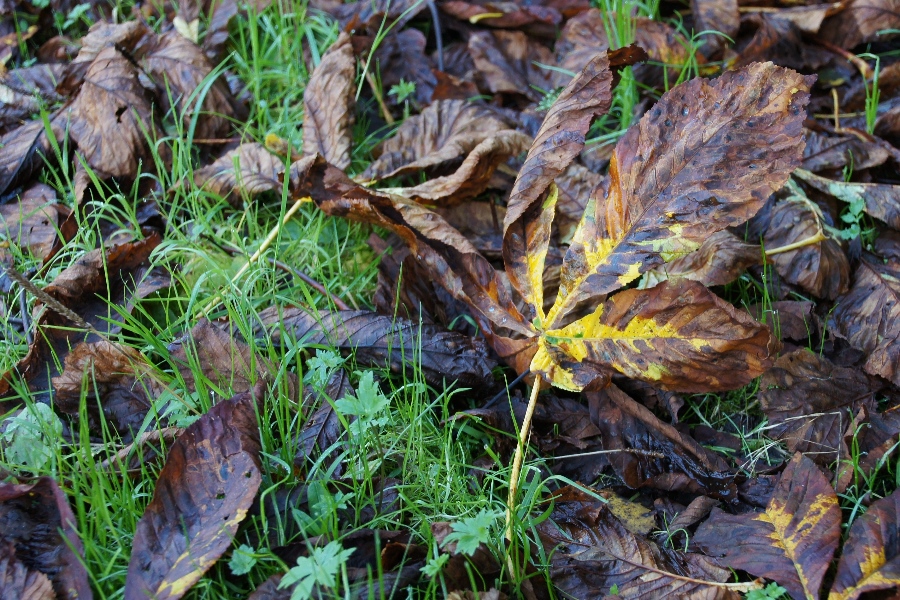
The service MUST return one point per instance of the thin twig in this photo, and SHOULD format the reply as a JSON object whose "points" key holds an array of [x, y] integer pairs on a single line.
{"points": [[296, 273], [815, 239], [49, 301], [167, 434], [637, 451], [263, 247]]}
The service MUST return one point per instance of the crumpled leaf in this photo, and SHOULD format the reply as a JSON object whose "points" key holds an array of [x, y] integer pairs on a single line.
{"points": [[825, 152], [371, 13], [101, 36], [581, 39], [328, 102], [208, 483], [879, 200], [18, 581], [35, 221], [868, 316], [23, 92], [791, 542], [811, 402], [248, 169], [685, 465], [869, 561], [716, 15], [592, 551], [822, 268], [435, 140], [530, 17], [720, 259], [35, 518], [179, 68], [379, 341], [401, 56], [23, 150], [859, 22], [508, 62], [111, 116]]}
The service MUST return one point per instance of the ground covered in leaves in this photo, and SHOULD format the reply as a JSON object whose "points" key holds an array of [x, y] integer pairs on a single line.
{"points": [[289, 290]]}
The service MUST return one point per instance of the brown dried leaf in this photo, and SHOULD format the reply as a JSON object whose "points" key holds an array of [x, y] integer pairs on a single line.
{"points": [[18, 582], [533, 18], [35, 221], [792, 542], [506, 61], [328, 102], [592, 551], [371, 13], [859, 22], [101, 36], [111, 117], [720, 259], [716, 15], [36, 520], [706, 157], [23, 151], [208, 483], [795, 319], [383, 341], [811, 402], [686, 466], [248, 170], [822, 268], [582, 38], [869, 561], [401, 56], [880, 200], [323, 428], [23, 92], [179, 68], [868, 316], [825, 152]]}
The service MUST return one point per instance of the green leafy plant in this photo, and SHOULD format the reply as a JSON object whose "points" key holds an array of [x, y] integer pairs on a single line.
{"points": [[321, 568], [472, 532]]}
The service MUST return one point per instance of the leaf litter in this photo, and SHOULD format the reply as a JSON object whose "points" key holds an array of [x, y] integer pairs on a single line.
{"points": [[734, 242]]}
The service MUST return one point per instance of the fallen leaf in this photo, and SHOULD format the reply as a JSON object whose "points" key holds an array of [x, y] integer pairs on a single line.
{"points": [[382, 341], [582, 38], [791, 542], [18, 581], [509, 63], [860, 21], [825, 152], [811, 402], [821, 268], [879, 200], [868, 316], [24, 150], [328, 102], [720, 259], [323, 427], [869, 560], [111, 117], [401, 57], [794, 319], [245, 172], [35, 221], [35, 518], [208, 483], [716, 15], [179, 69], [533, 19]]}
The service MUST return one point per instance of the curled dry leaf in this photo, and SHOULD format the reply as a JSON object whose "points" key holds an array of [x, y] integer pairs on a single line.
{"points": [[869, 561], [178, 68], [592, 551], [810, 402], [581, 39], [792, 541], [328, 102], [111, 116], [35, 221], [868, 316], [101, 36], [437, 139], [879, 200], [208, 483], [250, 169], [37, 522], [821, 268], [720, 259], [683, 464], [379, 341], [401, 57], [508, 63], [24, 149]]}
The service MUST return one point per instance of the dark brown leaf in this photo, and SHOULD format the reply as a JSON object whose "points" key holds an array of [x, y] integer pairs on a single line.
{"points": [[881, 201], [245, 172], [323, 428], [111, 117], [868, 316], [825, 152], [24, 150], [507, 61], [792, 542], [860, 21], [582, 38], [530, 17], [810, 403], [720, 259], [36, 520], [687, 465], [372, 13], [178, 68], [268, 590], [34, 222], [822, 268], [208, 483], [382, 341], [793, 319], [716, 15], [869, 561], [401, 56], [101, 36], [328, 102], [19, 582], [23, 92]]}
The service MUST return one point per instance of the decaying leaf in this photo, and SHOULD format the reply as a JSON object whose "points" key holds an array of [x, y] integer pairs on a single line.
{"points": [[248, 169], [720, 259], [811, 402], [24, 149], [869, 561], [792, 541], [18, 581], [323, 427], [328, 101], [719, 16], [879, 200], [860, 21], [37, 533], [868, 316], [382, 341], [208, 483], [35, 221], [509, 62]]}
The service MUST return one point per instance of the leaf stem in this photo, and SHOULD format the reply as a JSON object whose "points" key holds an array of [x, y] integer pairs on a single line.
{"points": [[263, 247], [815, 239], [519, 455]]}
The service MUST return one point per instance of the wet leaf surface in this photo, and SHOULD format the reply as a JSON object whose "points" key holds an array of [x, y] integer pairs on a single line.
{"points": [[208, 483]]}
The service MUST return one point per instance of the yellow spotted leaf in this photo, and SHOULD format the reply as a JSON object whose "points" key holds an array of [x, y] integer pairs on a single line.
{"points": [[208, 483], [705, 158], [677, 335], [871, 556], [791, 542]]}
